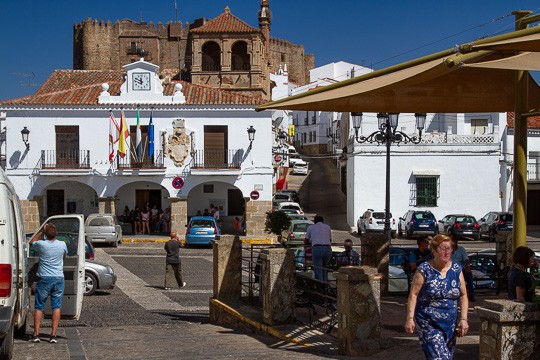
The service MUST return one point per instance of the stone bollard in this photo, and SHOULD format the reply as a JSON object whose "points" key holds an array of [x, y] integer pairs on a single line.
{"points": [[227, 268], [508, 330], [359, 310], [278, 279], [503, 248], [375, 253]]}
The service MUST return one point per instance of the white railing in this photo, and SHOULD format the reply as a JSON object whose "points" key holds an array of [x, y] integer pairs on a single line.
{"points": [[443, 138]]}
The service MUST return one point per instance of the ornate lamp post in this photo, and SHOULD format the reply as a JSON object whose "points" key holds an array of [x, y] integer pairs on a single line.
{"points": [[388, 135]]}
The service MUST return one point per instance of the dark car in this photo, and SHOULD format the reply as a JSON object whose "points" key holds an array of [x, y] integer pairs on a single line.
{"points": [[460, 225], [417, 222], [294, 193], [495, 221]]}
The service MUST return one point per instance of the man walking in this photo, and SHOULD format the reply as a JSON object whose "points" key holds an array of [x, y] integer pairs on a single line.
{"points": [[50, 277], [320, 236], [172, 265]]}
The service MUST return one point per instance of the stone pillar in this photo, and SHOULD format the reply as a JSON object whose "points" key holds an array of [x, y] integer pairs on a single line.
{"points": [[503, 248], [509, 330], [375, 253], [277, 285], [107, 205], [227, 271], [359, 310], [178, 215], [31, 214], [256, 216]]}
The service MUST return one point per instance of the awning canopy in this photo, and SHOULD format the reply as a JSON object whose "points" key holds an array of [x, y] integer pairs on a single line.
{"points": [[480, 81]]}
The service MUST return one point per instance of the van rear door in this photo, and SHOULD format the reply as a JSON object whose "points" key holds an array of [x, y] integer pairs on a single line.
{"points": [[70, 230]]}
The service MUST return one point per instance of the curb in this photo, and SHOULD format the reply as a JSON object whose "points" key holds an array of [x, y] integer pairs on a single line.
{"points": [[259, 326], [256, 241]]}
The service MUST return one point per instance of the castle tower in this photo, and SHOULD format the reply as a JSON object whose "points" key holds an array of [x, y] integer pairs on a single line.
{"points": [[265, 20]]}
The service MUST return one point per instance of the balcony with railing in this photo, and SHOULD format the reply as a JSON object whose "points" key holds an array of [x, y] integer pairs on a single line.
{"points": [[146, 162], [533, 172], [217, 159], [69, 160]]}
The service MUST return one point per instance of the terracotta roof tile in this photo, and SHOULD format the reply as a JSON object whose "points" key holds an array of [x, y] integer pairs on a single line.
{"points": [[83, 87], [225, 22], [533, 122]]}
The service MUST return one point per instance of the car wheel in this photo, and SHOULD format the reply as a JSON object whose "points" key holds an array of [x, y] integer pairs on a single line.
{"points": [[90, 284], [6, 348]]}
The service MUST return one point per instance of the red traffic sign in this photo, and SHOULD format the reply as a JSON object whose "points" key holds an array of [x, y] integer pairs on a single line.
{"points": [[277, 158], [178, 182], [254, 195]]}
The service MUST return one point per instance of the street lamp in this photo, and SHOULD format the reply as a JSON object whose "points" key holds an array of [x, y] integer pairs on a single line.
{"points": [[251, 135], [387, 135], [24, 133]]}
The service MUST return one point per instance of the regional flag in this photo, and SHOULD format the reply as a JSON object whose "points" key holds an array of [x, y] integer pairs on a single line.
{"points": [[124, 136], [113, 135], [151, 136], [138, 138]]}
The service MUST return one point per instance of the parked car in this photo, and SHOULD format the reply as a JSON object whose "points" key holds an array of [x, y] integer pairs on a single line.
{"points": [[103, 228], [294, 193], [417, 222], [294, 158], [290, 205], [300, 168], [303, 260], [202, 230], [373, 221], [495, 221], [282, 196], [297, 216], [485, 269], [98, 276], [296, 232], [460, 225]]}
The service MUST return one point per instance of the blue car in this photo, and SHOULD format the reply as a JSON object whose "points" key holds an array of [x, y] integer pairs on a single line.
{"points": [[202, 230]]}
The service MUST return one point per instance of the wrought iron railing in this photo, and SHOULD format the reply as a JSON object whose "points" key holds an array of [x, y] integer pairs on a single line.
{"points": [[216, 159], [76, 159], [131, 162], [533, 172]]}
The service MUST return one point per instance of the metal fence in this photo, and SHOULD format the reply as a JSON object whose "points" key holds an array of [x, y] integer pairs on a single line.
{"points": [[76, 159]]}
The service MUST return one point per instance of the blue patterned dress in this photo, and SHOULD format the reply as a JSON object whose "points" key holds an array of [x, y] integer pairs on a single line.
{"points": [[436, 311]]}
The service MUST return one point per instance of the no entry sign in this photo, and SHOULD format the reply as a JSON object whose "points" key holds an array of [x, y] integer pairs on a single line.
{"points": [[277, 158], [254, 195], [178, 182]]}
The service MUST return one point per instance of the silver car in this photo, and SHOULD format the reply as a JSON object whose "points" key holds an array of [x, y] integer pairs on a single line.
{"points": [[98, 276], [103, 228]]}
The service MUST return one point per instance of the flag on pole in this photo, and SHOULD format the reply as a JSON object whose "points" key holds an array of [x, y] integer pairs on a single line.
{"points": [[138, 138], [124, 136], [151, 136], [113, 135]]}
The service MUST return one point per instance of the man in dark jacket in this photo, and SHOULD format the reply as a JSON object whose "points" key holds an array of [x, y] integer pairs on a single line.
{"points": [[172, 247]]}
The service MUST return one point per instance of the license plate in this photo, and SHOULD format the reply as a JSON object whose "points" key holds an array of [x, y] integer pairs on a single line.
{"points": [[99, 239], [201, 233], [423, 225], [467, 232]]}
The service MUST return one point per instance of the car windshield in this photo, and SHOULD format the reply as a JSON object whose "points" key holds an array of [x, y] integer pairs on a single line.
{"points": [[202, 224], [281, 197], [291, 207], [423, 216], [380, 215], [302, 227], [99, 222], [300, 165], [465, 219], [506, 217]]}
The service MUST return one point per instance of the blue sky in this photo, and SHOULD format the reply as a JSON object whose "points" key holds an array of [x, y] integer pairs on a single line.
{"points": [[37, 35]]}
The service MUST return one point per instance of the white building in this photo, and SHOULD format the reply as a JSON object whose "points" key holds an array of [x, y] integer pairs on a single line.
{"points": [[202, 153], [318, 132], [455, 169]]}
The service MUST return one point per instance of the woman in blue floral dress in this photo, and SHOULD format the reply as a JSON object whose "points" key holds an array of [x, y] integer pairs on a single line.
{"points": [[432, 309]]}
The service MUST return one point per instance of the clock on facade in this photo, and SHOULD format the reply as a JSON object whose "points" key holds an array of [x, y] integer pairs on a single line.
{"points": [[141, 81]]}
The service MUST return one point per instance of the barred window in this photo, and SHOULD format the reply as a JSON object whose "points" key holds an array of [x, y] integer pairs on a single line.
{"points": [[425, 191]]}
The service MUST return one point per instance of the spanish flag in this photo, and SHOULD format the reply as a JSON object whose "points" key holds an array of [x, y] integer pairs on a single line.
{"points": [[124, 136]]}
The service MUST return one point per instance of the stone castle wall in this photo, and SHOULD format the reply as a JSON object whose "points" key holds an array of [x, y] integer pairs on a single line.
{"points": [[100, 45]]}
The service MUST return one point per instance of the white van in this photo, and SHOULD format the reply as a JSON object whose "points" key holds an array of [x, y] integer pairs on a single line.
{"points": [[14, 295]]}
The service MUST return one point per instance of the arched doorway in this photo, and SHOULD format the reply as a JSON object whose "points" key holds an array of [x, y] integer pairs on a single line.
{"points": [[211, 56], [69, 197], [220, 194]]}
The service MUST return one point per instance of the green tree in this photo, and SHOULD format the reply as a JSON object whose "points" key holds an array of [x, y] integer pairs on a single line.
{"points": [[276, 222]]}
